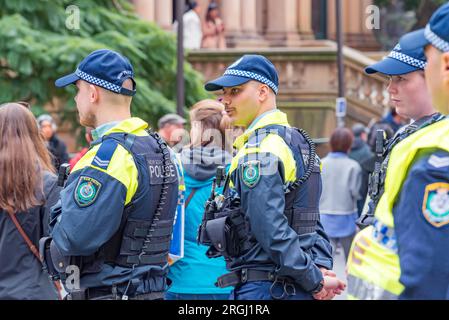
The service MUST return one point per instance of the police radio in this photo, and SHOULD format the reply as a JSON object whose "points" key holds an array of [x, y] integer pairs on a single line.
{"points": [[222, 224], [63, 174], [212, 205], [367, 217]]}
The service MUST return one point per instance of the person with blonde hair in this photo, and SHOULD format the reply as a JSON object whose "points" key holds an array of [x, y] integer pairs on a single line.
{"points": [[28, 188], [194, 275]]}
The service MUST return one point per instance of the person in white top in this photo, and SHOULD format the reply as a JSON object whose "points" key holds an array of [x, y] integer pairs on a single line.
{"points": [[193, 33]]}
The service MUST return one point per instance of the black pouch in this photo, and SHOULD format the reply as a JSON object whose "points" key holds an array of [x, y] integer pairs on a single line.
{"points": [[216, 232], [202, 234], [232, 239]]}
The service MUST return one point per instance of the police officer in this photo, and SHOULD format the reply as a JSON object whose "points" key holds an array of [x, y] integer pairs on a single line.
{"points": [[283, 252], [405, 254], [411, 99], [113, 224]]}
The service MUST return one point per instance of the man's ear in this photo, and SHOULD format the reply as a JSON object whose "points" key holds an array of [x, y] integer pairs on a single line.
{"points": [[94, 93], [445, 69], [264, 92]]}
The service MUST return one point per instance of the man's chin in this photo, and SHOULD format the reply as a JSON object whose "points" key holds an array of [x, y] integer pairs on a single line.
{"points": [[87, 122]]}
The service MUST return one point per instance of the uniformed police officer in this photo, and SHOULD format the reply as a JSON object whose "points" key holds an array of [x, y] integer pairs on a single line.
{"points": [[284, 253], [411, 100], [115, 217], [405, 255]]}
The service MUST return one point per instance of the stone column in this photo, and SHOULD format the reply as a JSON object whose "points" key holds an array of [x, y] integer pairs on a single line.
{"points": [[357, 35], [145, 9], [305, 19], [249, 37], [331, 20], [248, 17], [164, 14], [365, 5], [353, 16], [230, 12], [282, 23]]}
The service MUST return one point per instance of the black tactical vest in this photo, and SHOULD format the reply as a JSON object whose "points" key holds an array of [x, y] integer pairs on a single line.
{"points": [[144, 235], [302, 197], [226, 229]]}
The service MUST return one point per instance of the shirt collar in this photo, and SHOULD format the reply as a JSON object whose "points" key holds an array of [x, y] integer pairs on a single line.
{"points": [[268, 118], [260, 117], [130, 125], [99, 132]]}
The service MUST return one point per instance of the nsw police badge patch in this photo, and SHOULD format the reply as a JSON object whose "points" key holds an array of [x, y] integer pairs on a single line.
{"points": [[251, 173], [86, 191], [436, 204]]}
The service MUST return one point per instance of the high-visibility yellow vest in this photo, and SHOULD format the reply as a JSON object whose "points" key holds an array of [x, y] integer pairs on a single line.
{"points": [[272, 143], [373, 263]]}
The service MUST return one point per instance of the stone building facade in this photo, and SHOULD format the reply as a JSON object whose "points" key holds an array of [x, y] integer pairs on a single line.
{"points": [[277, 23]]}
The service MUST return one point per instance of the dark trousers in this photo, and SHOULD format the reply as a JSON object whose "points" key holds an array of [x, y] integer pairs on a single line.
{"points": [[265, 290]]}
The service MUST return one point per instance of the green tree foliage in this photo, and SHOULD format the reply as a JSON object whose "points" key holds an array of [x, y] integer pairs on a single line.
{"points": [[36, 47]]}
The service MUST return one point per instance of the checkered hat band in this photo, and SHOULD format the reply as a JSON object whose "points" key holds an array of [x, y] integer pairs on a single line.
{"points": [[98, 82], [253, 76], [435, 40], [408, 60]]}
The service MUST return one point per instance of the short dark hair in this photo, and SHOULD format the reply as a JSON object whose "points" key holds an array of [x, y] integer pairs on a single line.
{"points": [[341, 140]]}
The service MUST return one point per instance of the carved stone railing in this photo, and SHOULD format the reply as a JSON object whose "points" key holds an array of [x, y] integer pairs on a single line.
{"points": [[366, 94]]}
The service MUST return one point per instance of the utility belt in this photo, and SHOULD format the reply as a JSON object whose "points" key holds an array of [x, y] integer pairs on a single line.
{"points": [[111, 293], [245, 275]]}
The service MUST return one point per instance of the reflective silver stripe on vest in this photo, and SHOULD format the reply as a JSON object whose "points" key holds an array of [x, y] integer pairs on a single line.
{"points": [[363, 290]]}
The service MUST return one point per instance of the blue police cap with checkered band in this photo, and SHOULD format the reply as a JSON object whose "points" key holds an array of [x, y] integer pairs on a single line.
{"points": [[400, 62], [247, 68], [104, 68], [435, 33]]}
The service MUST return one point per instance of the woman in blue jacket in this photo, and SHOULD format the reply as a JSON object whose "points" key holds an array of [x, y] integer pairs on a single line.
{"points": [[194, 275]]}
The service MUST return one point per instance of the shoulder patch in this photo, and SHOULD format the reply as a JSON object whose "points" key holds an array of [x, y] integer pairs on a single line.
{"points": [[436, 204], [251, 173], [86, 191], [439, 162]]}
